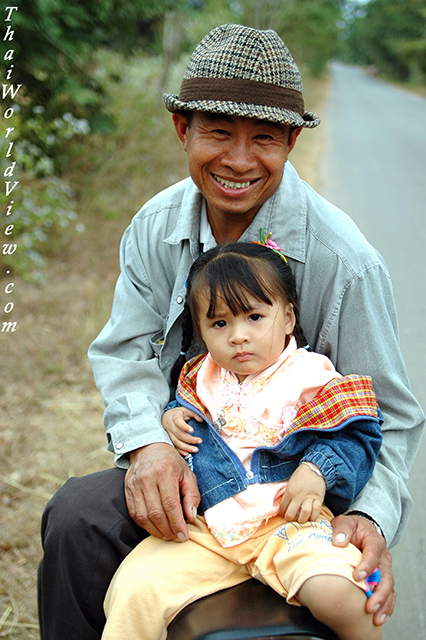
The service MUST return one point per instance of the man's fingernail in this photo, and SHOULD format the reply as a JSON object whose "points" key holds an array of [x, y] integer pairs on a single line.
{"points": [[362, 575], [194, 512], [383, 618], [181, 536], [340, 538]]}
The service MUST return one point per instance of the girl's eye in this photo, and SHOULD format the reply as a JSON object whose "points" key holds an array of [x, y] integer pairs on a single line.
{"points": [[220, 324], [255, 317]]}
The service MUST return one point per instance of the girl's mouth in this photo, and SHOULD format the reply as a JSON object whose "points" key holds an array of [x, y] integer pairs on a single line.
{"points": [[242, 357]]}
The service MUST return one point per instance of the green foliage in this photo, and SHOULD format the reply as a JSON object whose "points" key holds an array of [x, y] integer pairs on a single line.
{"points": [[43, 213], [310, 30], [211, 14], [391, 35], [54, 56], [42, 145], [308, 27], [54, 41], [44, 221]]}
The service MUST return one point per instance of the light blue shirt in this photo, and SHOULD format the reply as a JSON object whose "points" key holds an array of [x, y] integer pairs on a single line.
{"points": [[347, 313]]}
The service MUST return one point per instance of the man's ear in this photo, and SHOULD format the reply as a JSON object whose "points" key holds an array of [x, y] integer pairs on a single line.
{"points": [[181, 125], [293, 137]]}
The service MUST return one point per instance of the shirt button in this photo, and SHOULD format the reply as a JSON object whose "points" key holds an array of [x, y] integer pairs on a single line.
{"points": [[119, 445], [179, 299]]}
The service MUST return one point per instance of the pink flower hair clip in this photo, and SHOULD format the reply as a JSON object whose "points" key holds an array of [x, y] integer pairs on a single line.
{"points": [[267, 241]]}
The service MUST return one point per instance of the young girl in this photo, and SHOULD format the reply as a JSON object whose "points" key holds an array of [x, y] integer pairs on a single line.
{"points": [[278, 440]]}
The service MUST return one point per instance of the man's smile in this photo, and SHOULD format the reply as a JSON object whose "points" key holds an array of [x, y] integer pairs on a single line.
{"points": [[229, 184]]}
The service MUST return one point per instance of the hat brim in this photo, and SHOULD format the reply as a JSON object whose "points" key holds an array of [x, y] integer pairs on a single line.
{"points": [[261, 112]]}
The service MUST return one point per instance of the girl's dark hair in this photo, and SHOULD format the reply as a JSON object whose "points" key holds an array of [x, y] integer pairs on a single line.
{"points": [[233, 272]]}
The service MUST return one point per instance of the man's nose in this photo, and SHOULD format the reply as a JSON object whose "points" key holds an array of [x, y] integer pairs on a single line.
{"points": [[239, 156]]}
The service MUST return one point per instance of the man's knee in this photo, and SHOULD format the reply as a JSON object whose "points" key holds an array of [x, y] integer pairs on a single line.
{"points": [[82, 502]]}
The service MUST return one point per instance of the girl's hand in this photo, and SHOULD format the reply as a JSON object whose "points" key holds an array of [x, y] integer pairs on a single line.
{"points": [[175, 423], [304, 495]]}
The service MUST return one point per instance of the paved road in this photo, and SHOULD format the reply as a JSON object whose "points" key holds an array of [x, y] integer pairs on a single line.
{"points": [[375, 170]]}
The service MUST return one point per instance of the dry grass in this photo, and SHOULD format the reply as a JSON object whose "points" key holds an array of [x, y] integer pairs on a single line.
{"points": [[51, 412]]}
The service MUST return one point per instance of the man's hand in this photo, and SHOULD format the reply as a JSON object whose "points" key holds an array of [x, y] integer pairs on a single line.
{"points": [[155, 481], [363, 535]]}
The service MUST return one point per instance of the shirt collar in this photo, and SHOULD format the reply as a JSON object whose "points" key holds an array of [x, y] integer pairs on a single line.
{"points": [[207, 238], [284, 215]]}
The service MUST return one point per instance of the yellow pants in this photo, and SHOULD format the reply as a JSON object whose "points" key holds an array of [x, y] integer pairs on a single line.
{"points": [[159, 578]]}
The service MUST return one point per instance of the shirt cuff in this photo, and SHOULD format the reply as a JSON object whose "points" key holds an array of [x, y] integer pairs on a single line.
{"points": [[366, 517]]}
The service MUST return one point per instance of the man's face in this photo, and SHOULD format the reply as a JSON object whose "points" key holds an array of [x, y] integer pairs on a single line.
{"points": [[237, 163]]}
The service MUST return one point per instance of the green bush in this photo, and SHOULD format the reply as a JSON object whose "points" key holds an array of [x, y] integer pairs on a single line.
{"points": [[43, 213]]}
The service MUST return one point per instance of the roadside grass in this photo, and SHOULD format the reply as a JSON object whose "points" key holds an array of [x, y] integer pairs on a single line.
{"points": [[50, 410]]}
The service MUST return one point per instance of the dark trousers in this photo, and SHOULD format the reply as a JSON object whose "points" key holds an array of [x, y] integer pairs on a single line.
{"points": [[86, 533]]}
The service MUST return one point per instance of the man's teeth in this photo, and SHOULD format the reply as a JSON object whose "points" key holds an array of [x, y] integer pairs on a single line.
{"points": [[232, 185]]}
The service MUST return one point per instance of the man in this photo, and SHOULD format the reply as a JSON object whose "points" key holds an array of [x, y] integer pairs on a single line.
{"points": [[238, 115]]}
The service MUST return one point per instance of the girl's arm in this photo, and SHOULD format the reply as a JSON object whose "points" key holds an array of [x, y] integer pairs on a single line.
{"points": [[304, 494], [175, 422], [346, 459]]}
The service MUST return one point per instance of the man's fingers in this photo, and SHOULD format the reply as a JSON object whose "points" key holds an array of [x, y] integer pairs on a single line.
{"points": [[373, 547], [343, 530], [170, 515], [382, 602], [153, 486], [190, 495], [383, 612], [137, 508], [362, 533]]}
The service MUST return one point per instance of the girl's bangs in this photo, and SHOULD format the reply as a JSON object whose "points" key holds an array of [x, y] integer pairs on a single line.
{"points": [[236, 289]]}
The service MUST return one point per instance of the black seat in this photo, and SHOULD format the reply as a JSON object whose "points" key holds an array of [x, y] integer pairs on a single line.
{"points": [[249, 611]]}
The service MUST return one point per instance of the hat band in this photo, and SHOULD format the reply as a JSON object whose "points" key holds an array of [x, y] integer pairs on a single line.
{"points": [[239, 90]]}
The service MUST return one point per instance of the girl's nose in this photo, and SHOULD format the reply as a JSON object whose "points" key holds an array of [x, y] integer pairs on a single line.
{"points": [[239, 336]]}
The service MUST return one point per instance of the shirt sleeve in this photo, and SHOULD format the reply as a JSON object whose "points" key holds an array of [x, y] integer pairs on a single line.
{"points": [[362, 337], [125, 362]]}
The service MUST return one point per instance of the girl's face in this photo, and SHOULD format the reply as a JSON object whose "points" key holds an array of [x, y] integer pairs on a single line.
{"points": [[249, 342]]}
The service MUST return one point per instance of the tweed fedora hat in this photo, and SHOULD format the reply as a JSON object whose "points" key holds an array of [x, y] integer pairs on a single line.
{"points": [[241, 71]]}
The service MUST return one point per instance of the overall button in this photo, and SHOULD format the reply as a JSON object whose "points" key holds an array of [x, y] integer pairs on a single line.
{"points": [[250, 475]]}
